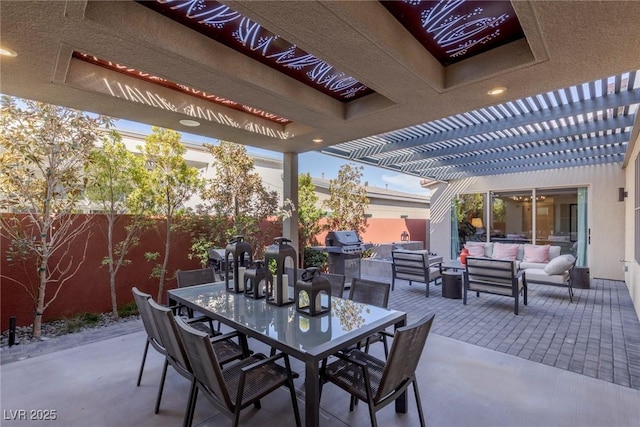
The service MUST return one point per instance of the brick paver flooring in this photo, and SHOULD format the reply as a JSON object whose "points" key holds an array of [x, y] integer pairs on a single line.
{"points": [[597, 335]]}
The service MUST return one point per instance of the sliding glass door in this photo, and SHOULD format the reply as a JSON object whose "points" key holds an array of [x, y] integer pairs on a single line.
{"points": [[555, 217]]}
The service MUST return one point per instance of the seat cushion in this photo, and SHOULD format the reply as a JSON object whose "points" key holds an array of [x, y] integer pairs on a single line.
{"points": [[538, 275]]}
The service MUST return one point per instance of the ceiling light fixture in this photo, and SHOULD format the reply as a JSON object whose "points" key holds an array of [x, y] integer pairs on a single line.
{"points": [[5, 51], [317, 140], [497, 91], [190, 123]]}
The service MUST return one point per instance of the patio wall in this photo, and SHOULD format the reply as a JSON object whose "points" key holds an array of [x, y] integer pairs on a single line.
{"points": [[88, 290], [605, 213]]}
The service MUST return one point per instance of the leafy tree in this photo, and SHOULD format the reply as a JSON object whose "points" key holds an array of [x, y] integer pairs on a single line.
{"points": [[347, 200], [167, 184], [237, 193], [309, 215], [45, 150], [114, 174]]}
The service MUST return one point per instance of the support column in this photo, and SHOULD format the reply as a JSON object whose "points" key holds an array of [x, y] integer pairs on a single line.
{"points": [[290, 191]]}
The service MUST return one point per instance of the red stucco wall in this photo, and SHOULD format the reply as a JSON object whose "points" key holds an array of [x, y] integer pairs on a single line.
{"points": [[88, 290]]}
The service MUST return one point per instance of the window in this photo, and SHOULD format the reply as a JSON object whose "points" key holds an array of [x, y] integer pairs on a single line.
{"points": [[556, 217], [511, 217]]}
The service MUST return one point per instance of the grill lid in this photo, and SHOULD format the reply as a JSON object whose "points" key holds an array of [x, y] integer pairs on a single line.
{"points": [[342, 238]]}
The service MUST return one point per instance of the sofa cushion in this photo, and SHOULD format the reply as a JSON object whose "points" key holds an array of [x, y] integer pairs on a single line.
{"points": [[525, 265], [505, 251], [540, 276], [536, 253], [554, 251], [475, 249], [559, 264]]}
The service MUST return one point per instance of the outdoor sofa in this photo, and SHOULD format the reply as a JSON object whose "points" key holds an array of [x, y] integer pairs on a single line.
{"points": [[525, 255]]}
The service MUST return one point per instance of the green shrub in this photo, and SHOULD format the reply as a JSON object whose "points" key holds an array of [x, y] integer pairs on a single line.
{"points": [[314, 258], [127, 310], [80, 321]]}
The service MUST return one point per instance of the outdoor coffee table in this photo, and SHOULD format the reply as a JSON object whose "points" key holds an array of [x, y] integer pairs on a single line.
{"points": [[309, 339]]}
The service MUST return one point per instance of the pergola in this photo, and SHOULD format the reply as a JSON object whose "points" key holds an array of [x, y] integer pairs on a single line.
{"points": [[400, 85]]}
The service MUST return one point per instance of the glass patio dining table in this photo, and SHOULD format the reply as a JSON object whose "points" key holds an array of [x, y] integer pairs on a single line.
{"points": [[308, 339]]}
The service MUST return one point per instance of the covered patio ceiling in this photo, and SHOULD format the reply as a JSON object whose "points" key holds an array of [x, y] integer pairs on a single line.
{"points": [[400, 85]]}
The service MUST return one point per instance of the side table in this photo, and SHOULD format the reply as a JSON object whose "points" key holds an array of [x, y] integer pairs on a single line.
{"points": [[580, 278], [452, 284]]}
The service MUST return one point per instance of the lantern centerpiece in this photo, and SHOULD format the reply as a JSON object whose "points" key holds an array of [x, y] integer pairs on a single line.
{"points": [[275, 258], [309, 290], [255, 280], [237, 256]]}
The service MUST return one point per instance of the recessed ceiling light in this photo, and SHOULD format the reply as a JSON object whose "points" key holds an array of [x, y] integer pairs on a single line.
{"points": [[497, 91], [5, 51], [317, 140], [190, 123]]}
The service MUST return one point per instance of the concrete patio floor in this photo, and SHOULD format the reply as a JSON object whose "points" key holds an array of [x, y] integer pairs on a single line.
{"points": [[461, 385], [526, 370]]}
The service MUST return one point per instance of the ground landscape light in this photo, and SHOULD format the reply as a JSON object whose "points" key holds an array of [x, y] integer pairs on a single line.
{"points": [[190, 123], [317, 140]]}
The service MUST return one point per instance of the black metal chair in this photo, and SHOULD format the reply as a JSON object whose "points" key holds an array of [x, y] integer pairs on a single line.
{"points": [[376, 382], [225, 349], [239, 385], [337, 284], [153, 337], [374, 293], [186, 278]]}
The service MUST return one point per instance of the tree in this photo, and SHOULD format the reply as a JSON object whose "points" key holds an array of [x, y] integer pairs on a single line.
{"points": [[114, 175], [167, 185], [309, 215], [45, 150], [347, 200], [237, 192]]}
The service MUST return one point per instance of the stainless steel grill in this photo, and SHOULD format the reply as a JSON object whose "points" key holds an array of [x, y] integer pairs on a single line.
{"points": [[344, 248]]}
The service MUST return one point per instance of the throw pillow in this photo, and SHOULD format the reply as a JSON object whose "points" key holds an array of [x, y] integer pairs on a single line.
{"points": [[536, 253], [559, 264], [476, 249], [505, 251]]}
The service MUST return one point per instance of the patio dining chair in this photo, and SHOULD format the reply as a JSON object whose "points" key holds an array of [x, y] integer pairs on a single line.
{"points": [[153, 337], [225, 349], [241, 384], [337, 284], [377, 382], [374, 293], [200, 276]]}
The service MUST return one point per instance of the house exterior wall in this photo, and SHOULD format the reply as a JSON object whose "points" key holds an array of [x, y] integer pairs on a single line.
{"points": [[632, 275], [605, 215]]}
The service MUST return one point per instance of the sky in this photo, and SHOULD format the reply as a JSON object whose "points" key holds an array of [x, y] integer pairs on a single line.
{"points": [[312, 162]]}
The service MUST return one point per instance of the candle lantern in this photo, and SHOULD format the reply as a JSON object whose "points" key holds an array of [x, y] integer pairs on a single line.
{"points": [[255, 281], [275, 258], [237, 257], [308, 292]]}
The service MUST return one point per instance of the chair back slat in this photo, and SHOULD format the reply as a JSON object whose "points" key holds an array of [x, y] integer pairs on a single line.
{"points": [[407, 347], [370, 292], [168, 331], [204, 363], [141, 299], [200, 276], [337, 284]]}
